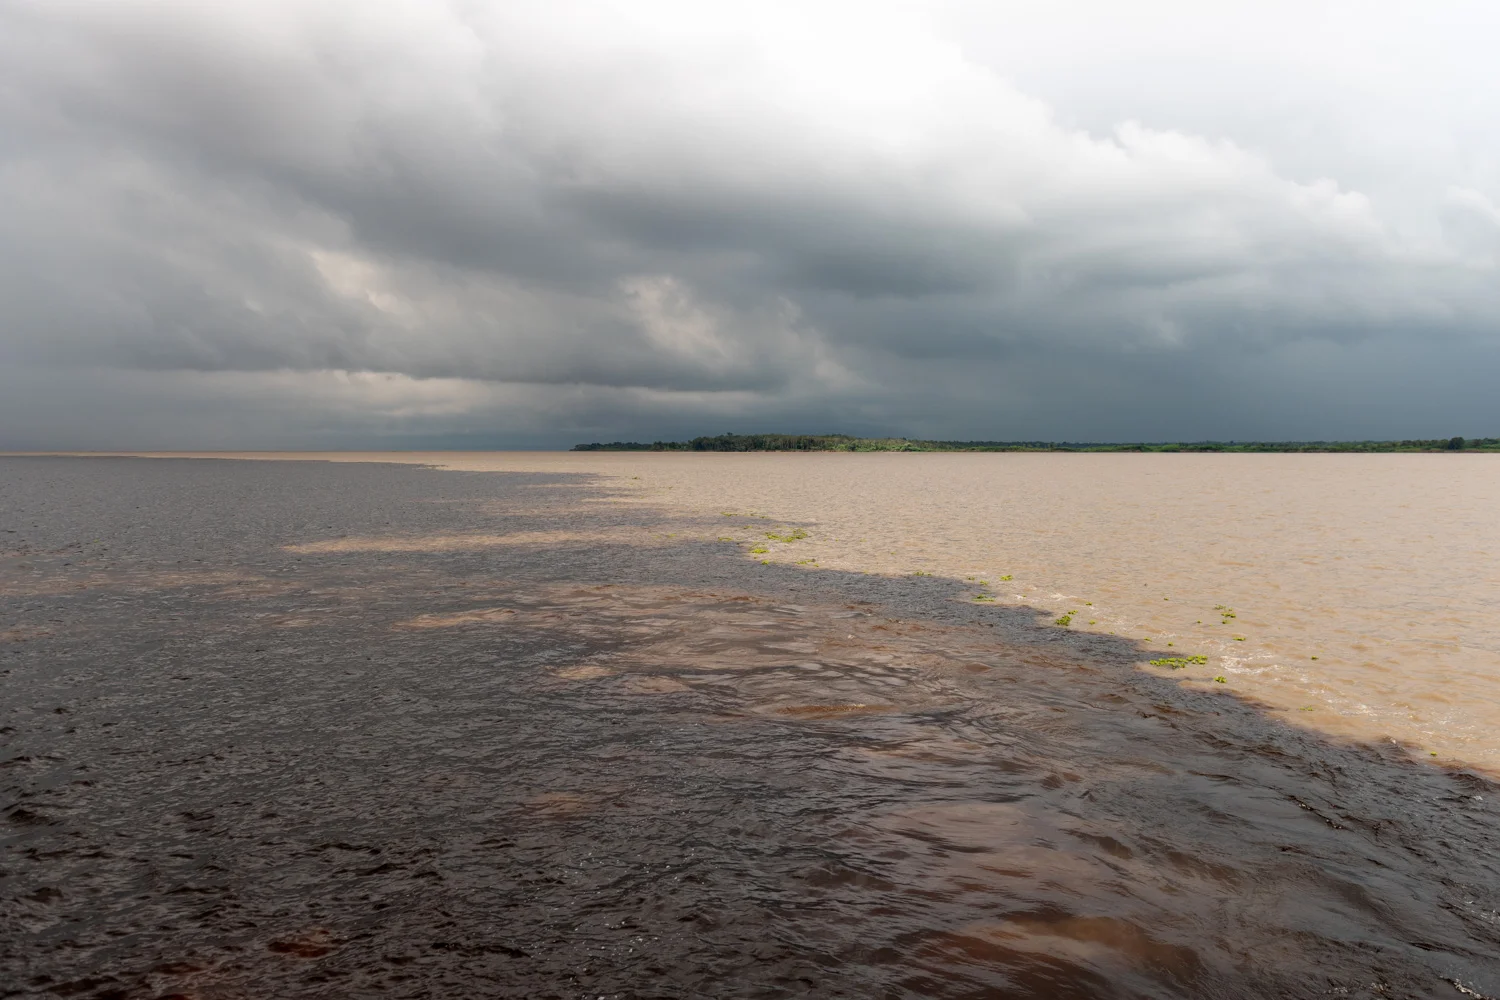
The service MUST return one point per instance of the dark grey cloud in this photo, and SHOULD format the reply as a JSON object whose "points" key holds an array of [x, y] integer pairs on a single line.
{"points": [[496, 223]]}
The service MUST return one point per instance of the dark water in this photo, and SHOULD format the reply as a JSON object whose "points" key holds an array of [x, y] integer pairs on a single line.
{"points": [[592, 768]]}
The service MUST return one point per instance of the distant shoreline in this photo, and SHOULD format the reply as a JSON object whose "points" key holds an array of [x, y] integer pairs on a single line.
{"points": [[845, 442]]}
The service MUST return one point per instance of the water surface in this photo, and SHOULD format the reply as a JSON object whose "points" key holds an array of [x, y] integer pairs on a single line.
{"points": [[1364, 589], [303, 729]]}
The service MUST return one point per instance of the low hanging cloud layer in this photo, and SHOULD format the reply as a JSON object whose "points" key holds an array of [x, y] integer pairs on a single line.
{"points": [[286, 223]]}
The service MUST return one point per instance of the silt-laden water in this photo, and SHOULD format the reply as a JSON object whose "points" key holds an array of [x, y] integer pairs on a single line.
{"points": [[299, 729]]}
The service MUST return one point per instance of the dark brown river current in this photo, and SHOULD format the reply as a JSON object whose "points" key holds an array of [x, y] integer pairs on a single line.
{"points": [[598, 757]]}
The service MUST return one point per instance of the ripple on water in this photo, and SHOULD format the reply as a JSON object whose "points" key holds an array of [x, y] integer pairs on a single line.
{"points": [[508, 772]]}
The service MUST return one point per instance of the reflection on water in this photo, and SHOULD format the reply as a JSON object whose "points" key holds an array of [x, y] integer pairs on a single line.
{"points": [[597, 769]]}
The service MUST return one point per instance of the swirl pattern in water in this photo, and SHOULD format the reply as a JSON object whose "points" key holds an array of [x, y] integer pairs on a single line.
{"points": [[307, 730]]}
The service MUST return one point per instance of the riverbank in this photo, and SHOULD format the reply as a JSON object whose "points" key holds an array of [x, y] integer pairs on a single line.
{"points": [[846, 442]]}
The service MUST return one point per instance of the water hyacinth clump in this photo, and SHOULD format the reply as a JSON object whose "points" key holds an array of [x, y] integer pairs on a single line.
{"points": [[1179, 662]]}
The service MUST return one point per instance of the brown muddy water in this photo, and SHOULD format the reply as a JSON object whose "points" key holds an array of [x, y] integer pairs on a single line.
{"points": [[304, 729]]}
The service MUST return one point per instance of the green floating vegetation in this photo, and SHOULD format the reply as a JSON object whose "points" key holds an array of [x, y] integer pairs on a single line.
{"points": [[1065, 620], [795, 535], [1179, 662], [921, 573], [984, 598], [1006, 578], [758, 550], [1220, 680]]}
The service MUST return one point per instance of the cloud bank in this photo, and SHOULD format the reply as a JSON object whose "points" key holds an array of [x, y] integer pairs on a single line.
{"points": [[286, 223]]}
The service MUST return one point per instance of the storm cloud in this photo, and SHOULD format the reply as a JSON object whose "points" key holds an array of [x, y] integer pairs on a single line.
{"points": [[286, 223]]}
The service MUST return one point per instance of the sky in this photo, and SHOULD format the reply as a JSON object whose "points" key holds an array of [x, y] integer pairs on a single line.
{"points": [[341, 224]]}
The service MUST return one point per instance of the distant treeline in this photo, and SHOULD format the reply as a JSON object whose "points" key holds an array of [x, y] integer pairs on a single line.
{"points": [[845, 442]]}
